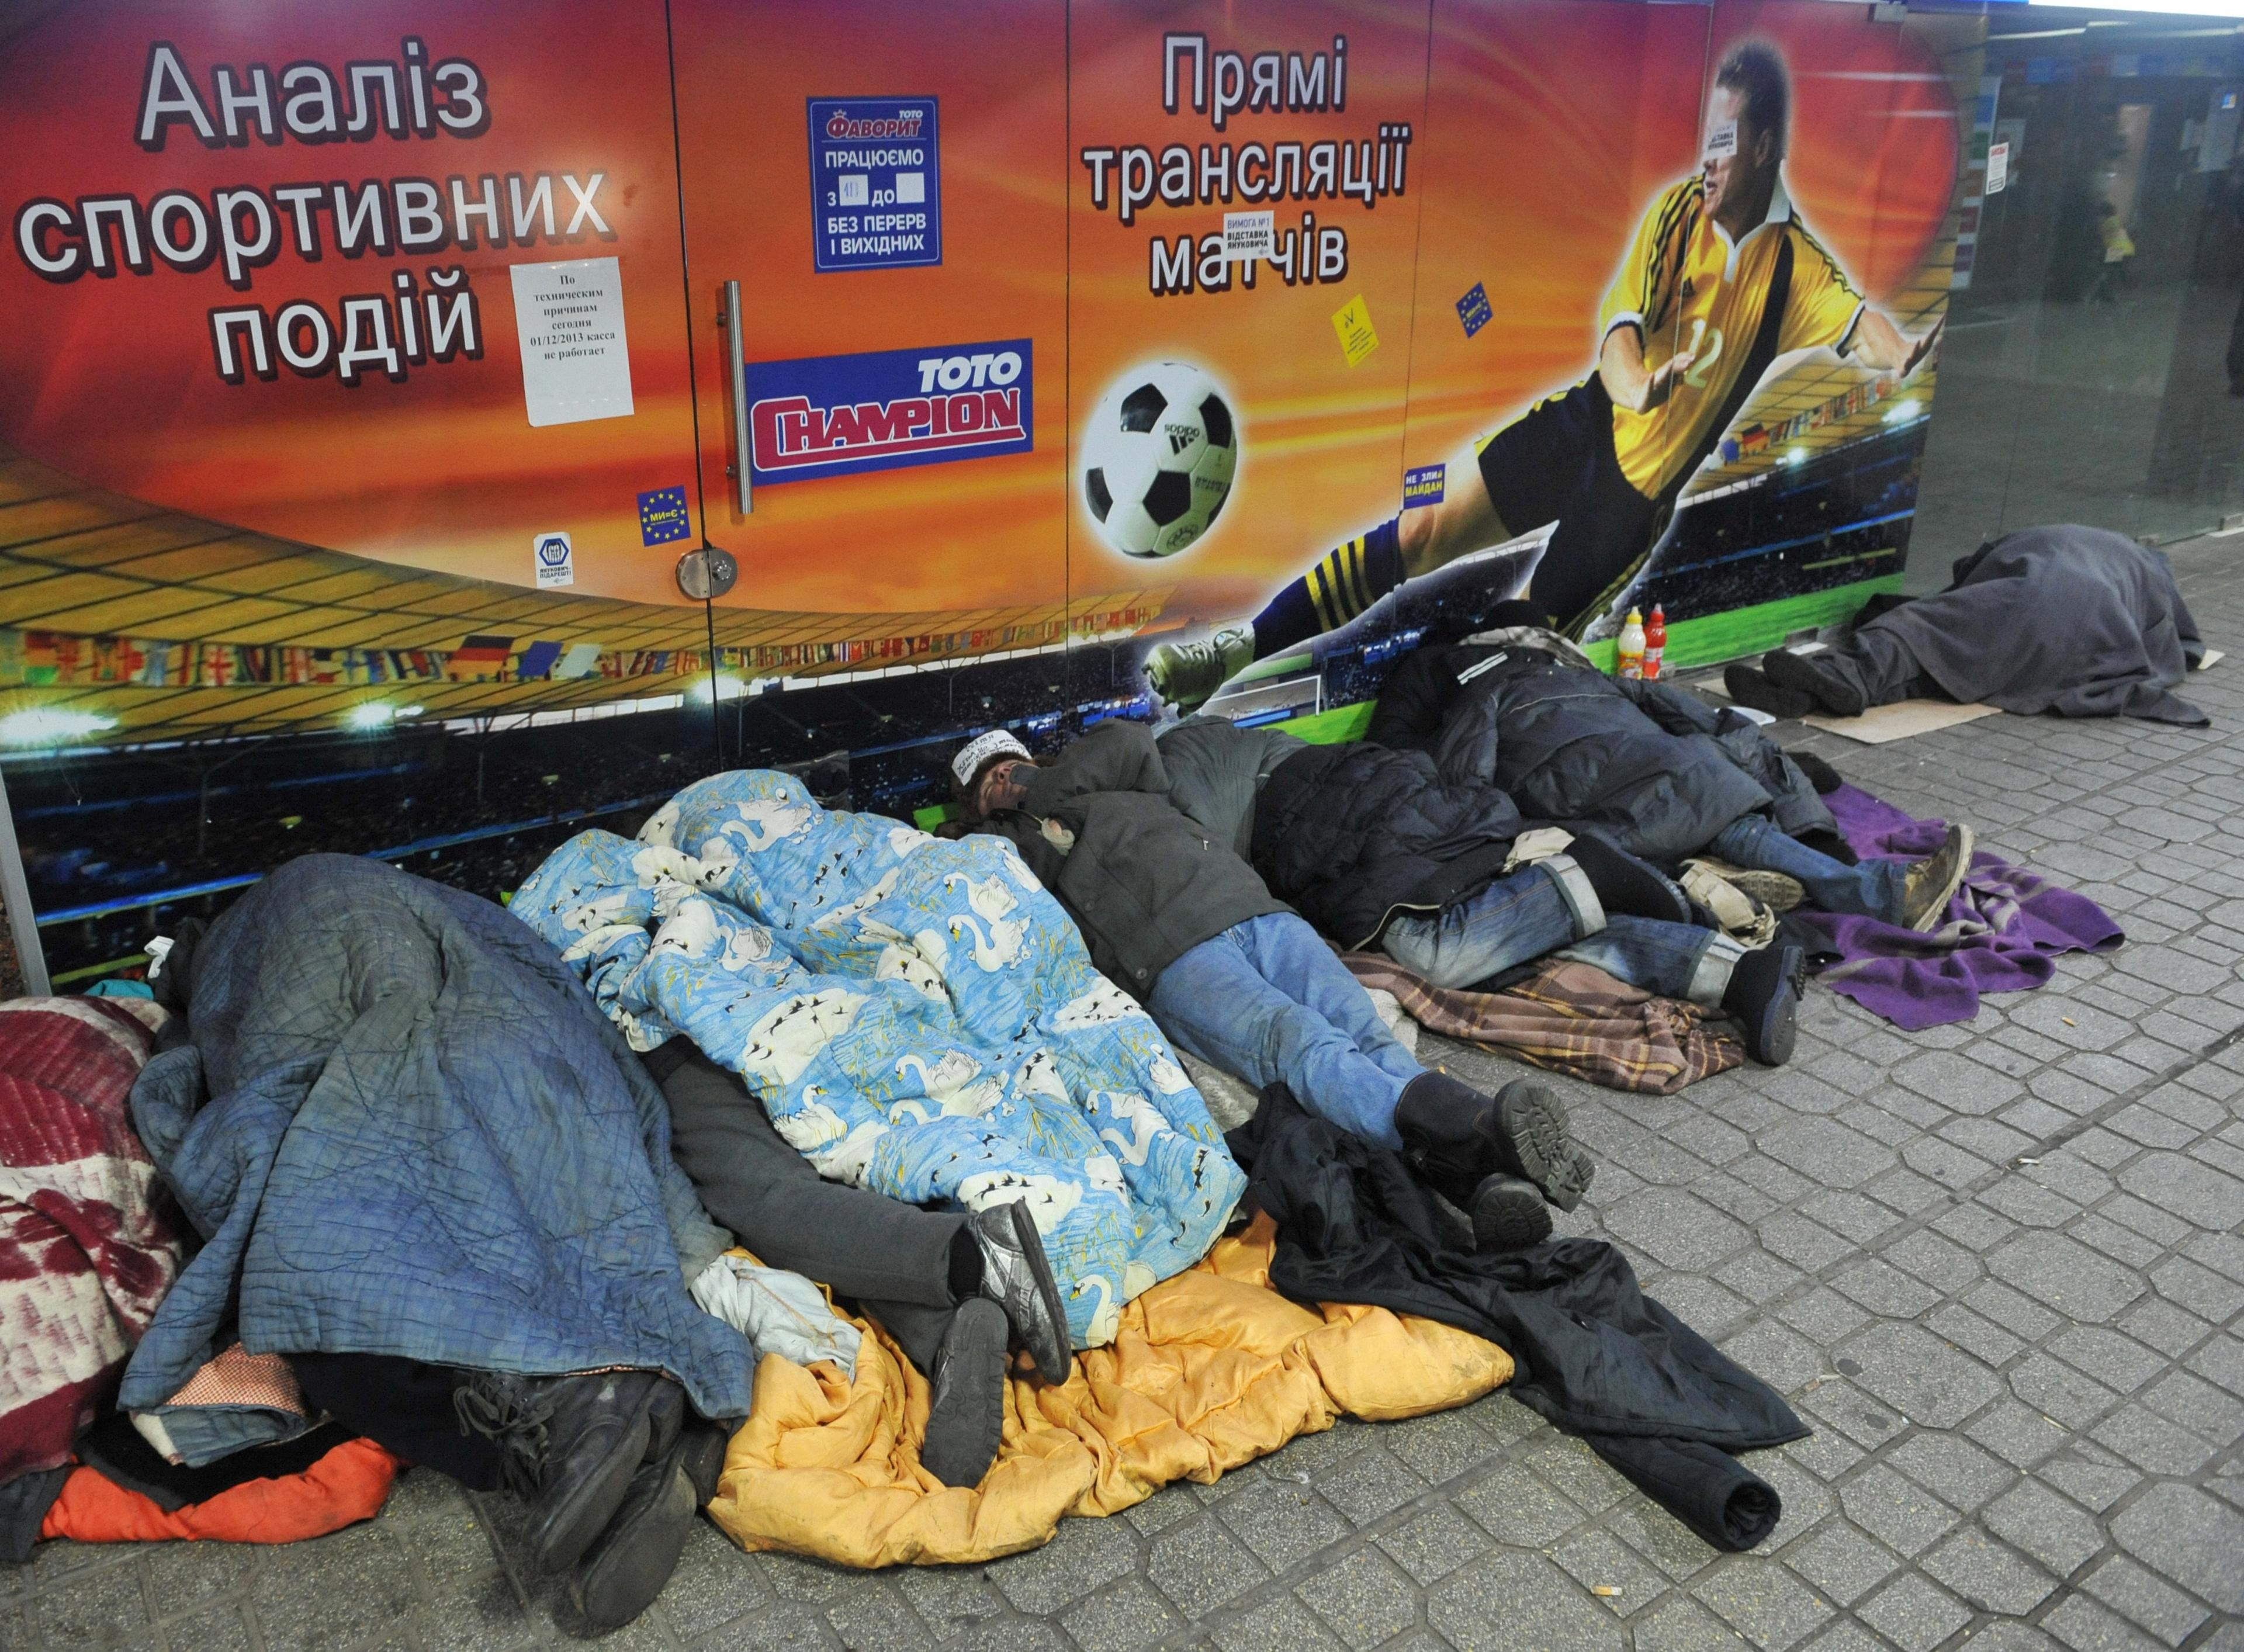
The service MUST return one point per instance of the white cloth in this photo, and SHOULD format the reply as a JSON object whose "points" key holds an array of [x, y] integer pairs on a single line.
{"points": [[981, 748], [779, 1312]]}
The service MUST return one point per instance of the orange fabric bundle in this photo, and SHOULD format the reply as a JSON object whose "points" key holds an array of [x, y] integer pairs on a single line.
{"points": [[348, 1484]]}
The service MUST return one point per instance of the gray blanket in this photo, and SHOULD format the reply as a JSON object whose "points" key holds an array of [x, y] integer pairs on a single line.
{"points": [[2066, 619]]}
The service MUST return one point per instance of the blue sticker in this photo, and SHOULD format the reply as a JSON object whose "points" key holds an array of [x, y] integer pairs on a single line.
{"points": [[822, 415], [875, 183], [662, 517], [1423, 485], [1473, 309]]}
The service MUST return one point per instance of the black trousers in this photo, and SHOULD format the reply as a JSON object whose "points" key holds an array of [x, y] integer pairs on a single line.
{"points": [[893, 1258], [1879, 666]]}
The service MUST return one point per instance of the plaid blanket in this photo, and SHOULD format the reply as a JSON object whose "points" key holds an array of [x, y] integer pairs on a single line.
{"points": [[1571, 1017], [88, 1244]]}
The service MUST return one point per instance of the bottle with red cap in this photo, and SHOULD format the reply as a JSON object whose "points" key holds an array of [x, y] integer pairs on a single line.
{"points": [[1655, 642]]}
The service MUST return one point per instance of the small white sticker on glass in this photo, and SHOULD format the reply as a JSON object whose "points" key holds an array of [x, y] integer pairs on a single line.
{"points": [[1721, 141]]}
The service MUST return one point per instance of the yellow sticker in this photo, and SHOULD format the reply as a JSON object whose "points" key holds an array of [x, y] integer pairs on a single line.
{"points": [[1353, 323]]}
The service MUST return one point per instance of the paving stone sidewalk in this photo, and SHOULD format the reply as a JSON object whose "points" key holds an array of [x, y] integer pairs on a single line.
{"points": [[1999, 1267]]}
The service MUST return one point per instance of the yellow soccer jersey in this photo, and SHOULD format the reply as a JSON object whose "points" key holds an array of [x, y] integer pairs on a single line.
{"points": [[1686, 286]]}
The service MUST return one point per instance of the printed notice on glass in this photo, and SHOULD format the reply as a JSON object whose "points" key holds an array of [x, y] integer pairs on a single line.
{"points": [[1247, 236], [576, 364], [1998, 168]]}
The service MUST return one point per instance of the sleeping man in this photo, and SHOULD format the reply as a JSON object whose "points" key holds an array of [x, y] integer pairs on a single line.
{"points": [[1174, 917]]}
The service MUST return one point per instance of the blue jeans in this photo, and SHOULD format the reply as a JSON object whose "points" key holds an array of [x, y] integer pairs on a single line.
{"points": [[1267, 1001], [1549, 908], [1872, 890]]}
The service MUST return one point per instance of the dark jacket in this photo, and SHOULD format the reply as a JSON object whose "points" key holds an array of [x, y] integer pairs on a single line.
{"points": [[1595, 1356], [1144, 881], [1216, 769], [1349, 834], [1641, 764], [1354, 833]]}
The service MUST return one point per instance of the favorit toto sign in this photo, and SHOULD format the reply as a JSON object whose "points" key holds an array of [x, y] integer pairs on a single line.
{"points": [[825, 416]]}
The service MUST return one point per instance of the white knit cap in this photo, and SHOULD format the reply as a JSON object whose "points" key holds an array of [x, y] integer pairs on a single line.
{"points": [[981, 748]]}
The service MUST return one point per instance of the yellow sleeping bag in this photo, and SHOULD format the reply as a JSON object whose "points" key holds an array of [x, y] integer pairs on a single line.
{"points": [[1210, 1370]]}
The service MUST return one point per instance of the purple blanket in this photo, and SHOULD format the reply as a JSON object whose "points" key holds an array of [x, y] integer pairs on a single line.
{"points": [[2003, 929]]}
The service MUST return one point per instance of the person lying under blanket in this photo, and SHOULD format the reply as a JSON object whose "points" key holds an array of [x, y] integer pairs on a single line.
{"points": [[1375, 848], [917, 1018], [1642, 765], [2076, 620], [1236, 979], [947, 1285]]}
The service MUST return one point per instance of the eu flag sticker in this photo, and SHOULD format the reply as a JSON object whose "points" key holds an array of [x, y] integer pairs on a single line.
{"points": [[662, 517], [1473, 309]]}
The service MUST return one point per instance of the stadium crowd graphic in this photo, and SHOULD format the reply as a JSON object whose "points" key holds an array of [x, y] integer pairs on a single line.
{"points": [[481, 810]]}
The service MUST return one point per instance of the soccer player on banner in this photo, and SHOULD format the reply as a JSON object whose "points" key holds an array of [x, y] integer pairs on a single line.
{"points": [[1719, 280]]}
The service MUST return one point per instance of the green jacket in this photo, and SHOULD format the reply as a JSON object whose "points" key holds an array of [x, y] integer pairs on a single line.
{"points": [[1144, 881]]}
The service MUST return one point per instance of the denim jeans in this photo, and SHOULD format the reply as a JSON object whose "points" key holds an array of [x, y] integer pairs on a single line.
{"points": [[1266, 1001], [1872, 890], [1544, 909]]}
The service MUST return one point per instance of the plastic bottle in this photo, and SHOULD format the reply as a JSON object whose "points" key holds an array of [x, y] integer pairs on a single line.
{"points": [[1655, 642], [1632, 645]]}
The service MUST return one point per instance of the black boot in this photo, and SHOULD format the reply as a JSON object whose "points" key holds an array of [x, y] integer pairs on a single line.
{"points": [[571, 1444], [1455, 1136], [1763, 998], [633, 1558], [1799, 673], [1508, 1214], [1749, 686], [966, 1415], [1627, 885]]}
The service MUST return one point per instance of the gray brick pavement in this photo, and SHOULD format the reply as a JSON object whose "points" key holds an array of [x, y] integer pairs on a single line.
{"points": [[1998, 1267]]}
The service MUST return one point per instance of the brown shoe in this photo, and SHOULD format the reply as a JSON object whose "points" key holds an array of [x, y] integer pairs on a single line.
{"points": [[1930, 884]]}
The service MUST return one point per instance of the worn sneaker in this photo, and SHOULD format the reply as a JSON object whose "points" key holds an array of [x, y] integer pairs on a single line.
{"points": [[1186, 674], [1508, 1214], [1749, 686], [966, 1415], [1778, 891], [572, 1444], [1763, 998], [1930, 884], [1016, 1276]]}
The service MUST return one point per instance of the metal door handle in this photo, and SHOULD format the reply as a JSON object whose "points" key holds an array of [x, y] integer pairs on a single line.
{"points": [[736, 376]]}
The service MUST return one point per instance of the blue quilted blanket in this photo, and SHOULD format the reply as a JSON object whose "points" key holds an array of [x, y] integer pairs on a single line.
{"points": [[918, 1017], [403, 1127]]}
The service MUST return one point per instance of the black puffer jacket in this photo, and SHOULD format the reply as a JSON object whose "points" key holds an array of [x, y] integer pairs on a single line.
{"points": [[1351, 835], [1143, 881], [1642, 764]]}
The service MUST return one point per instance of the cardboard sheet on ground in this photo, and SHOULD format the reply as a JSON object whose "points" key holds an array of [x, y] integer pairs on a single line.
{"points": [[1881, 724], [1210, 1370]]}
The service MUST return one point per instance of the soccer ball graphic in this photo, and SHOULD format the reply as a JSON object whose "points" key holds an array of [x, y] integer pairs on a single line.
{"points": [[1157, 458]]}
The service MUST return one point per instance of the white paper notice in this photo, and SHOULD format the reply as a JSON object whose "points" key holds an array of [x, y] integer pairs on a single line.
{"points": [[1247, 236], [576, 364], [1721, 141], [1998, 168]]}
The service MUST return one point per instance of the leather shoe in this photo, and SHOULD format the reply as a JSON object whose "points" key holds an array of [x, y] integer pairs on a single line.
{"points": [[1763, 998], [633, 1558], [966, 1415], [1016, 1276], [571, 1445]]}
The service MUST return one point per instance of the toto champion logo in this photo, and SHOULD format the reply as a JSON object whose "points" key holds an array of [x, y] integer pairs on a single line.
{"points": [[831, 416]]}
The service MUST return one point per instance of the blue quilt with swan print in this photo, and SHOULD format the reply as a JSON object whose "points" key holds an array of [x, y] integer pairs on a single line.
{"points": [[918, 1017]]}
